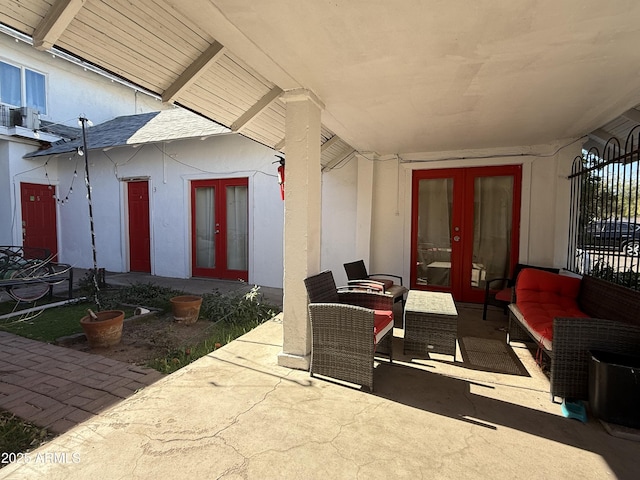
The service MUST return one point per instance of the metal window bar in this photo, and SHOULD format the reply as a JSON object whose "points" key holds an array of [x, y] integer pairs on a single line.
{"points": [[604, 229]]}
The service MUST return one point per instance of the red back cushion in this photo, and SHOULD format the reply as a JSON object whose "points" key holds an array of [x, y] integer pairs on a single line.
{"points": [[539, 286], [541, 296]]}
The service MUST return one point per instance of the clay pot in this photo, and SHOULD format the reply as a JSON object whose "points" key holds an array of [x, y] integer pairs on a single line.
{"points": [[186, 308], [104, 332]]}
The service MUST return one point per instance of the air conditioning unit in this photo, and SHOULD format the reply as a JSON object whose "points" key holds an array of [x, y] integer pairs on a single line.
{"points": [[26, 117]]}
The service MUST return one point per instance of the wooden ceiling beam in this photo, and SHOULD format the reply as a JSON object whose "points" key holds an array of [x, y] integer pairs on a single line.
{"points": [[256, 109], [325, 146], [633, 115], [331, 164], [602, 137], [193, 71], [329, 143], [280, 145], [55, 22]]}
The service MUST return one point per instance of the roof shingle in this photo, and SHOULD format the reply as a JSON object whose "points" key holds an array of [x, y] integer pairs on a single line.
{"points": [[165, 125]]}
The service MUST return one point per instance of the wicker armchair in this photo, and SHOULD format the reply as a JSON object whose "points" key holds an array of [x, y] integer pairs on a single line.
{"points": [[349, 326], [357, 272]]}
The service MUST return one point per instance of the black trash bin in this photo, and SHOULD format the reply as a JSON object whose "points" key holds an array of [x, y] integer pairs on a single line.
{"points": [[614, 388]]}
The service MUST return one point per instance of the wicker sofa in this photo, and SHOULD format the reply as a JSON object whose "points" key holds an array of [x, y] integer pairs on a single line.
{"points": [[582, 315]]}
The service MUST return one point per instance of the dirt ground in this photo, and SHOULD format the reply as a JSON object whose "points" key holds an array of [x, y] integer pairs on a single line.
{"points": [[148, 337]]}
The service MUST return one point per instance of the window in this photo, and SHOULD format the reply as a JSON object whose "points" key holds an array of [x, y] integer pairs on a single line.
{"points": [[22, 87], [10, 91]]}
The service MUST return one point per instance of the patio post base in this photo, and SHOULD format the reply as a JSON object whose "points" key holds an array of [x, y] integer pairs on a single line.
{"points": [[299, 362]]}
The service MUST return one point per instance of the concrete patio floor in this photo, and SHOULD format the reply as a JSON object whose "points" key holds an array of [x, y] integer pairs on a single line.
{"points": [[236, 414]]}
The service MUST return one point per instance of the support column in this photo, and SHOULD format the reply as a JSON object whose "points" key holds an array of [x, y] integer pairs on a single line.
{"points": [[364, 209], [302, 221]]}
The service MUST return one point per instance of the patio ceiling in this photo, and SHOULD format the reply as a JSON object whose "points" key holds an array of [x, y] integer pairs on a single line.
{"points": [[395, 77]]}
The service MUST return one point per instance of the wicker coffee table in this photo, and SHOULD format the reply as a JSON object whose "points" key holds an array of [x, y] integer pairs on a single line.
{"points": [[430, 323]]}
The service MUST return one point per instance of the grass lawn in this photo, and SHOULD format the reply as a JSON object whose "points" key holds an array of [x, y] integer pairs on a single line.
{"points": [[47, 325], [18, 436]]}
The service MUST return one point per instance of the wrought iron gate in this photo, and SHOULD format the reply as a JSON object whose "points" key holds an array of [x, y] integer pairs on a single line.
{"points": [[604, 236]]}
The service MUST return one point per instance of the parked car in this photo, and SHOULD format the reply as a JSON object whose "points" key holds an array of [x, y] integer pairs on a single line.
{"points": [[613, 234]]}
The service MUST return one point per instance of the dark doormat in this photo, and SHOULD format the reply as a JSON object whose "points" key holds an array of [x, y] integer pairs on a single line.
{"points": [[491, 355]]}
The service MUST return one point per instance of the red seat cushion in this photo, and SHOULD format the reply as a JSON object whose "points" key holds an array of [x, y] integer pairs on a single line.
{"points": [[505, 295], [385, 281], [383, 322], [541, 296]]}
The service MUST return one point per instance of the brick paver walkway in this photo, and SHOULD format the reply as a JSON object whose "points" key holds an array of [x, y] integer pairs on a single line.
{"points": [[57, 388]]}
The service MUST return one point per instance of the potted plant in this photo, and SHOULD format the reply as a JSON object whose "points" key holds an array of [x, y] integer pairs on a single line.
{"points": [[186, 308], [103, 329]]}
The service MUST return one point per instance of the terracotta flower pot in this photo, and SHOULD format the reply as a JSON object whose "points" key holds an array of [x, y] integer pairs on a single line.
{"points": [[186, 308], [104, 332]]}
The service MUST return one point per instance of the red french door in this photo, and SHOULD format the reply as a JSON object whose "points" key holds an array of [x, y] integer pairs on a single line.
{"points": [[39, 217], [139, 230], [465, 228], [219, 228]]}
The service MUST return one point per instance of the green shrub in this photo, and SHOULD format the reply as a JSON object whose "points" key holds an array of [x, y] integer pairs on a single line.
{"points": [[141, 294], [629, 278], [237, 307], [235, 314]]}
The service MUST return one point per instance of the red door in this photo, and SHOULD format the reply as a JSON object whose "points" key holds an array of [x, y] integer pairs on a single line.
{"points": [[139, 237], [465, 228], [39, 217], [219, 228]]}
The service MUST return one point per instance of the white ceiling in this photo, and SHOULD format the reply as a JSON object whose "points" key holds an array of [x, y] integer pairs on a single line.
{"points": [[411, 76], [395, 76]]}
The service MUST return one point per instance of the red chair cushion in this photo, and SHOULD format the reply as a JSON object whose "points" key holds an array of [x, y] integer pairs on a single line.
{"points": [[541, 296], [385, 281], [505, 295], [383, 322]]}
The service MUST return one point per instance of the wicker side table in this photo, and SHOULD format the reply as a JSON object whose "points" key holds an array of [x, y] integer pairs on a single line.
{"points": [[430, 323]]}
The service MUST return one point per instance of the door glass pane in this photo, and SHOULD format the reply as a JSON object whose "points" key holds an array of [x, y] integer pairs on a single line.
{"points": [[237, 228], [493, 212], [205, 227], [435, 207]]}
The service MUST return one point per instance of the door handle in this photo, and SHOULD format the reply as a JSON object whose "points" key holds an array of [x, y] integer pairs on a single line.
{"points": [[456, 238]]}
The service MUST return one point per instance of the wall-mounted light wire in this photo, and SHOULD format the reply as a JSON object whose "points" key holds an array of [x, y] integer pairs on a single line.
{"points": [[58, 198]]}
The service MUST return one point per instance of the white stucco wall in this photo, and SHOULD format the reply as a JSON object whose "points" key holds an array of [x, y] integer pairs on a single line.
{"points": [[73, 91], [339, 196], [5, 195], [15, 170], [544, 205], [170, 168]]}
